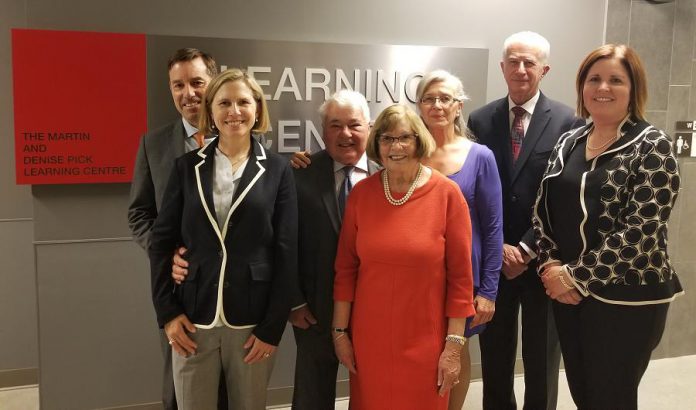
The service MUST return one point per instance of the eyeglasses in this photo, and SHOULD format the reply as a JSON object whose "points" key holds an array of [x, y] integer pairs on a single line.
{"points": [[404, 140], [445, 100]]}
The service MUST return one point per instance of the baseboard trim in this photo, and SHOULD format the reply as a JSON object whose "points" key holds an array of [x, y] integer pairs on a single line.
{"points": [[282, 396], [144, 406], [19, 377]]}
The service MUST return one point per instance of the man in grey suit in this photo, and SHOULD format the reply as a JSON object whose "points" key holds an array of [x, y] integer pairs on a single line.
{"points": [[321, 192], [190, 71], [521, 130]]}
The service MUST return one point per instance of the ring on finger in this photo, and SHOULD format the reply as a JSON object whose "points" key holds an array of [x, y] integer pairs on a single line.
{"points": [[172, 341], [266, 355]]}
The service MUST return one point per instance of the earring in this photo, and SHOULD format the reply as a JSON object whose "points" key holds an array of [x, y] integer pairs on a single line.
{"points": [[257, 120]]}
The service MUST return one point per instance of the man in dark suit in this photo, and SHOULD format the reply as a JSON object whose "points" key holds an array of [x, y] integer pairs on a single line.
{"points": [[521, 130], [321, 190], [190, 71]]}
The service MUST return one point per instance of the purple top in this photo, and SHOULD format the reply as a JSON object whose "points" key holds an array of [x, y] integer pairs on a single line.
{"points": [[479, 181]]}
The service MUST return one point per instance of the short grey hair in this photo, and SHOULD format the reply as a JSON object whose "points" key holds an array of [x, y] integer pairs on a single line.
{"points": [[346, 98], [454, 83], [529, 39]]}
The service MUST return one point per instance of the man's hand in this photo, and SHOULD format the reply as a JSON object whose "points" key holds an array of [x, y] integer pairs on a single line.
{"points": [[302, 317], [178, 338], [300, 160], [514, 263], [179, 265], [484, 311]]}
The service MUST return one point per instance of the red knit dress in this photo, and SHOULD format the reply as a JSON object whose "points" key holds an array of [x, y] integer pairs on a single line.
{"points": [[405, 269]]}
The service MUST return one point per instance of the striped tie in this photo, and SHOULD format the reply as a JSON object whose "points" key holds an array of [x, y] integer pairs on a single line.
{"points": [[517, 131]]}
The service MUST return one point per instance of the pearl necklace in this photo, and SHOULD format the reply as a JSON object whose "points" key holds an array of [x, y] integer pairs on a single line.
{"points": [[411, 189], [609, 141]]}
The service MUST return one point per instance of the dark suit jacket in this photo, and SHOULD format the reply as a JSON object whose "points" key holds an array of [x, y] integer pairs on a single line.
{"points": [[250, 262], [319, 225], [156, 154], [490, 124]]}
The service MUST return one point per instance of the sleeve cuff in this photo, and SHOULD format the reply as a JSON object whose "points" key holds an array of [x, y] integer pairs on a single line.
{"points": [[298, 307], [529, 250]]}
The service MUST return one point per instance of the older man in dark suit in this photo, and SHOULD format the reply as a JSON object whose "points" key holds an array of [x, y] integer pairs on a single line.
{"points": [[521, 130], [190, 71], [322, 189]]}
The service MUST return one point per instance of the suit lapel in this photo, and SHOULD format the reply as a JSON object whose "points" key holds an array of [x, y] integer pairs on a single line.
{"points": [[250, 176], [540, 119], [204, 183], [179, 143], [326, 183], [501, 124]]}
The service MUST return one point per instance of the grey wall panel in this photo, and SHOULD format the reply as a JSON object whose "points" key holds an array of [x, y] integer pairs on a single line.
{"points": [[99, 339], [82, 211], [16, 201], [18, 332], [477, 24]]}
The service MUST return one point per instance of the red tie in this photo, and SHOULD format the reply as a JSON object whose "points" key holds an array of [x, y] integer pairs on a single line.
{"points": [[517, 131], [200, 139]]}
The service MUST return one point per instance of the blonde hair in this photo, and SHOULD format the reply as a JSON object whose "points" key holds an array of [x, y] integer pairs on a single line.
{"points": [[206, 124]]}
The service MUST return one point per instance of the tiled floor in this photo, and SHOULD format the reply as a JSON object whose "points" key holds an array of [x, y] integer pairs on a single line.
{"points": [[668, 384]]}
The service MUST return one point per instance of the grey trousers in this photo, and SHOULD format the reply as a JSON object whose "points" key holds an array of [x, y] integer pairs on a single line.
{"points": [[220, 349]]}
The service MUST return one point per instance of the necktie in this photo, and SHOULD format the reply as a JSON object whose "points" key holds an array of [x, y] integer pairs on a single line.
{"points": [[200, 138], [517, 131], [346, 186]]}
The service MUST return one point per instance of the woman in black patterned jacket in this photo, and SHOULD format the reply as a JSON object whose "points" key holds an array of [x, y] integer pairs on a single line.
{"points": [[601, 225]]}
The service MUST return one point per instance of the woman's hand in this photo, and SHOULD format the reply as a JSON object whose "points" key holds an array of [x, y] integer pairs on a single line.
{"points": [[556, 282], [485, 309], [448, 367], [176, 330], [344, 351], [260, 350]]}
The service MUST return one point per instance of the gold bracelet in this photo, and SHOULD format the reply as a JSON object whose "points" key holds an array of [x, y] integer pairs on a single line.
{"points": [[460, 340], [563, 282]]}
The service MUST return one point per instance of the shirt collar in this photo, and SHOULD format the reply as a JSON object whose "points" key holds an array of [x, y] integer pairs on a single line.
{"points": [[190, 129], [528, 106], [361, 165]]}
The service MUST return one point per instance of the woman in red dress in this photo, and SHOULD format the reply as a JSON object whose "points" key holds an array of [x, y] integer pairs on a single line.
{"points": [[403, 285]]}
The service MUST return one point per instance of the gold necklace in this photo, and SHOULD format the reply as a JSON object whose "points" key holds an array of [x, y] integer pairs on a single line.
{"points": [[606, 144], [411, 189]]}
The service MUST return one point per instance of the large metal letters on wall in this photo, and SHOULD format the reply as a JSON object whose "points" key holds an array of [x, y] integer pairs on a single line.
{"points": [[296, 77]]}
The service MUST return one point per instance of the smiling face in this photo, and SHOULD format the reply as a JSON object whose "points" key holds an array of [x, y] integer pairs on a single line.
{"points": [[606, 92], [234, 109], [401, 155], [345, 133], [444, 109], [187, 83], [523, 70]]}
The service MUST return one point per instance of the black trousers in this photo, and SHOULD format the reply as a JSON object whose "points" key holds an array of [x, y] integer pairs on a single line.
{"points": [[540, 350], [606, 349], [168, 394], [315, 370]]}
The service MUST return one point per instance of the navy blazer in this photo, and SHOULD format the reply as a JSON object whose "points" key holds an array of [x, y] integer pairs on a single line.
{"points": [[248, 264], [490, 125], [319, 226]]}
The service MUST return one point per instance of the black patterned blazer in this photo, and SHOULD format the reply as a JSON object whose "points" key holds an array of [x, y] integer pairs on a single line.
{"points": [[638, 181]]}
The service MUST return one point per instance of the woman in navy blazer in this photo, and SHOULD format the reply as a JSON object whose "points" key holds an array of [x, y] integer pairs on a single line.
{"points": [[232, 204]]}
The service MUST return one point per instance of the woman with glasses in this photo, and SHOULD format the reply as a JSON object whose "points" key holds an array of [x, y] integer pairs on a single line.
{"points": [[472, 167], [403, 285]]}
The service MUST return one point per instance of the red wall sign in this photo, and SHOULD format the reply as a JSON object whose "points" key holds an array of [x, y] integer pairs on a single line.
{"points": [[80, 105]]}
